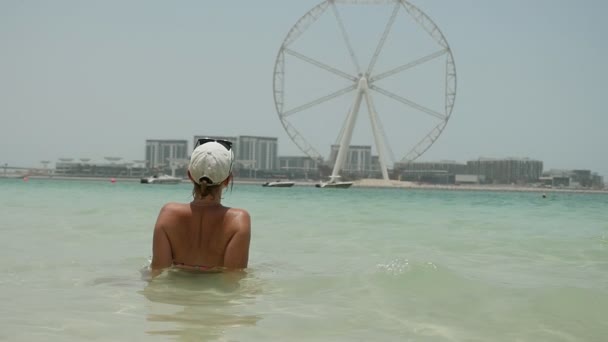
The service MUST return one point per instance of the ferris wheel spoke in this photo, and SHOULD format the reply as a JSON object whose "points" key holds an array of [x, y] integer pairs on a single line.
{"points": [[320, 65], [320, 100], [407, 102], [387, 29], [345, 37], [409, 65]]}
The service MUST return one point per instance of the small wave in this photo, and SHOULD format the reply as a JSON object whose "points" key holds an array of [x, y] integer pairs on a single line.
{"points": [[400, 266], [146, 271], [395, 267]]}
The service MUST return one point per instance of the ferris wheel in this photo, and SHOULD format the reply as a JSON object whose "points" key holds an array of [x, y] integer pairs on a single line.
{"points": [[336, 79]]}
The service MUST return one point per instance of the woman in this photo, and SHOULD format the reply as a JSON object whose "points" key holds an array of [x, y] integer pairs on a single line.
{"points": [[203, 235]]}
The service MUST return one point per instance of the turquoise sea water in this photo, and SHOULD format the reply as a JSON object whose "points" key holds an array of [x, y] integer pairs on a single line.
{"points": [[325, 265]]}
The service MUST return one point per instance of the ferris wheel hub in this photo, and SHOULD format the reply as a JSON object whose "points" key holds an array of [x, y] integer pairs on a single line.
{"points": [[362, 85]]}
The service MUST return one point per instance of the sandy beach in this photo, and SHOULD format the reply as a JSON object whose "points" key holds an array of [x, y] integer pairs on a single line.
{"points": [[380, 183]]}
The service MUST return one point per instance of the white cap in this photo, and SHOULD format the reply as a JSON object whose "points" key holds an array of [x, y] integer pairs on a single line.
{"points": [[210, 160]]}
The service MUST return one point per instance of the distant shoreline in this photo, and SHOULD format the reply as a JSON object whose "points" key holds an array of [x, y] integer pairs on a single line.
{"points": [[378, 183], [363, 183]]}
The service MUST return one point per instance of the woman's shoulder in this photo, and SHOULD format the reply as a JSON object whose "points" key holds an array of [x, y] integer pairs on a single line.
{"points": [[239, 216], [170, 212], [237, 211], [174, 207]]}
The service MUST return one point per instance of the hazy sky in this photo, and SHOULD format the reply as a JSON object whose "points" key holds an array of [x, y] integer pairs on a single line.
{"points": [[93, 79]]}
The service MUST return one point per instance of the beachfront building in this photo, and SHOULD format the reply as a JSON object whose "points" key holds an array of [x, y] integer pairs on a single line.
{"points": [[597, 181], [582, 178], [572, 179], [68, 167], [298, 167], [257, 156], [469, 179], [167, 156], [433, 172], [376, 170], [506, 171], [443, 165]]}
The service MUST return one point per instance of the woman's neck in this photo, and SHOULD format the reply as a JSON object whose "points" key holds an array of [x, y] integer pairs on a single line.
{"points": [[206, 201]]}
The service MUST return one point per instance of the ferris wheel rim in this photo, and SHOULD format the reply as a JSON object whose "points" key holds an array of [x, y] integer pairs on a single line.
{"points": [[420, 18]]}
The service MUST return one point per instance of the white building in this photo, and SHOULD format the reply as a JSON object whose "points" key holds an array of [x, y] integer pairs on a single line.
{"points": [[160, 153], [257, 153]]}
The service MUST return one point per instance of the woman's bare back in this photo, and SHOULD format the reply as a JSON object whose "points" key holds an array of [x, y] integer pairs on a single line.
{"points": [[201, 237]]}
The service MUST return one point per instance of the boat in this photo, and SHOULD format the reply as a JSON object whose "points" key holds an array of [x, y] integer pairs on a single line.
{"points": [[279, 184], [333, 183], [338, 185], [162, 179]]}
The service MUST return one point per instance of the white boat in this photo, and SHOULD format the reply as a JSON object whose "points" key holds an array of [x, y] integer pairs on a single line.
{"points": [[338, 185], [333, 183], [279, 184], [162, 179]]}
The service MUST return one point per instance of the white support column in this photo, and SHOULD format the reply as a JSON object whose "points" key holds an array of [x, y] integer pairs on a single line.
{"points": [[349, 126], [378, 138]]}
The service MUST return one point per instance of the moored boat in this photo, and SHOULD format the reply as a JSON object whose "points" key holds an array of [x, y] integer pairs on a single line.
{"points": [[162, 179], [338, 185], [279, 184], [334, 183]]}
